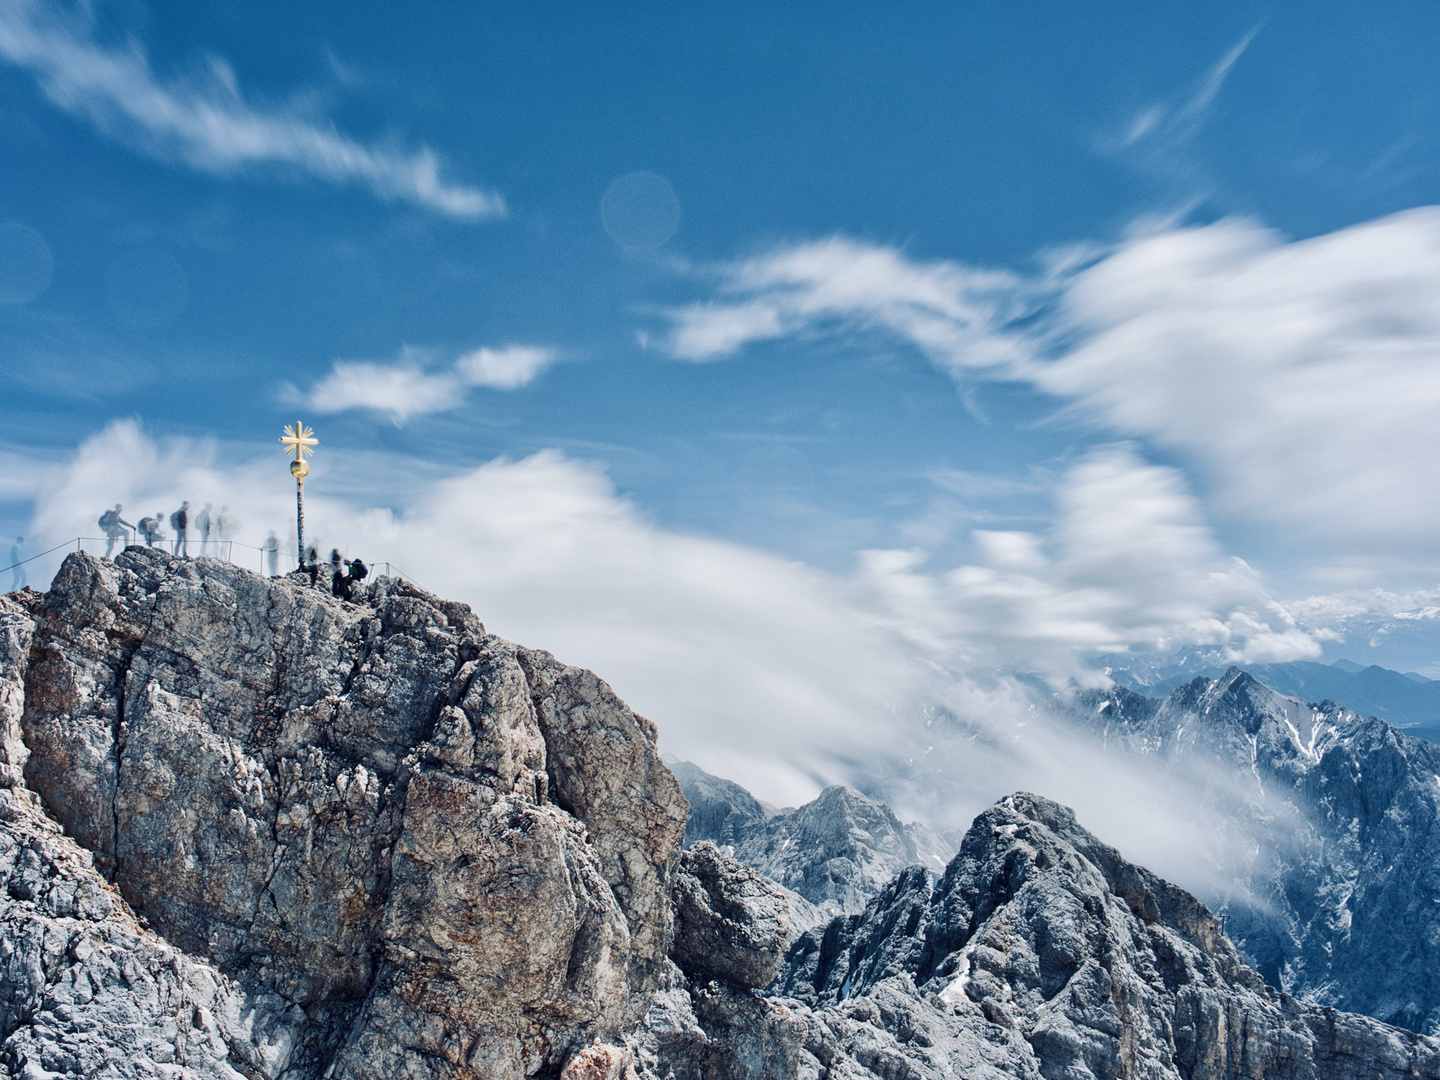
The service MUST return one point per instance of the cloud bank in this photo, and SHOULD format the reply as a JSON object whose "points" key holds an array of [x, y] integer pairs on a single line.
{"points": [[407, 389], [776, 674], [205, 122], [1126, 564]]}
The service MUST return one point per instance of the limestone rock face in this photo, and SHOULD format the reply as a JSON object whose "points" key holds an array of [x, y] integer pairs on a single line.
{"points": [[730, 921], [603, 769], [86, 991], [443, 855]]}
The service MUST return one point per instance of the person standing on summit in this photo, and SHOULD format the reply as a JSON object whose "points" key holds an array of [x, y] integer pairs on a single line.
{"points": [[178, 521]]}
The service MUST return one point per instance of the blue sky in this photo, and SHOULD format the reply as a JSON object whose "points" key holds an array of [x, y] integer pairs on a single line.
{"points": [[1007, 332]]}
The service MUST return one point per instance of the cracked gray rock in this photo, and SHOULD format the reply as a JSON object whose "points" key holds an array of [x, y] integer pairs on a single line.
{"points": [[730, 922]]}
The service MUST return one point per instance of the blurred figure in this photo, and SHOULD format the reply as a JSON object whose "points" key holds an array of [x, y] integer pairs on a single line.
{"points": [[179, 521], [17, 555], [271, 547], [338, 585], [227, 524], [202, 528], [150, 529], [114, 526], [312, 564]]}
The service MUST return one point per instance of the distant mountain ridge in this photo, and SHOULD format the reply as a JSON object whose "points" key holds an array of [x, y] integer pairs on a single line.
{"points": [[834, 853], [1406, 700]]}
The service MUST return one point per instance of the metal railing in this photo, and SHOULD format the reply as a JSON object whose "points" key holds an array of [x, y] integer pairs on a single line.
{"points": [[211, 549]]}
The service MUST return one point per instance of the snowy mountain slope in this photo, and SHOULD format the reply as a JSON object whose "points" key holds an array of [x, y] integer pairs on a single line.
{"points": [[1336, 898]]}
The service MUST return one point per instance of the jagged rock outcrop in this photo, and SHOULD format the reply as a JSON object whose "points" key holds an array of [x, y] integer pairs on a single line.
{"points": [[835, 852], [1340, 815], [1040, 953], [730, 922], [444, 855]]}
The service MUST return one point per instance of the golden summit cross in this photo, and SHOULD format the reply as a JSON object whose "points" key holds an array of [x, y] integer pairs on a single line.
{"points": [[299, 441]]}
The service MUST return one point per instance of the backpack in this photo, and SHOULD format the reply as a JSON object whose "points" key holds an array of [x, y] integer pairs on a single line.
{"points": [[109, 519]]}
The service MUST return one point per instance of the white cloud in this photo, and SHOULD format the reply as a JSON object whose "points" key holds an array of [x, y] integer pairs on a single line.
{"points": [[503, 369], [1127, 563], [402, 391], [1300, 379], [205, 122], [953, 312], [1304, 377], [407, 389]]}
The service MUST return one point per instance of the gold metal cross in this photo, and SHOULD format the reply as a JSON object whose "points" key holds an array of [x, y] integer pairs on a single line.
{"points": [[299, 441]]}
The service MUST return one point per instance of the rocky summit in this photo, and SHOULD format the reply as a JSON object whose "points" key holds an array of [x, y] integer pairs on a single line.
{"points": [[251, 830], [400, 845]]}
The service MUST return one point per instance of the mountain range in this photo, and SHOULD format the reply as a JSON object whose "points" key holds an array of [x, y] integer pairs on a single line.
{"points": [[1408, 701]]}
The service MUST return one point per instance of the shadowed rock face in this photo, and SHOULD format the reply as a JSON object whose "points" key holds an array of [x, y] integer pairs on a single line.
{"points": [[447, 856]]}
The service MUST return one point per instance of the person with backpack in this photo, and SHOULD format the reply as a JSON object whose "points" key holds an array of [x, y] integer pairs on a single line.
{"points": [[150, 529], [358, 571], [114, 527], [179, 519], [271, 548]]}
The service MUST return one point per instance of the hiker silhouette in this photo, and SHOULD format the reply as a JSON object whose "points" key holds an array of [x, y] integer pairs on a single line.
{"points": [[338, 585], [179, 519], [202, 527], [150, 529], [114, 526]]}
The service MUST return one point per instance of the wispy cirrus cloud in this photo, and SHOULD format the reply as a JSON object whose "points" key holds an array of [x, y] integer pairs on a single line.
{"points": [[205, 121], [1163, 120], [408, 388]]}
